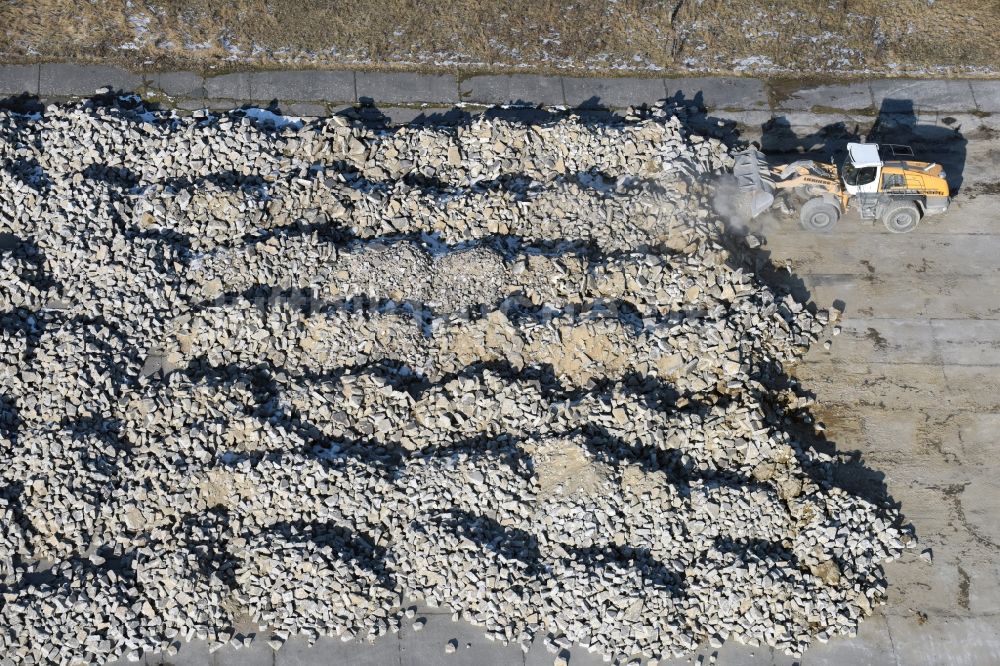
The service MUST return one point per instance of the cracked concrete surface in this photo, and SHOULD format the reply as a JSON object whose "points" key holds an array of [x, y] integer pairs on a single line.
{"points": [[912, 383]]}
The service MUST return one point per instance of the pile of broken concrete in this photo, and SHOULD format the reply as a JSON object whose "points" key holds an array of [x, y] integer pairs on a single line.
{"points": [[267, 382]]}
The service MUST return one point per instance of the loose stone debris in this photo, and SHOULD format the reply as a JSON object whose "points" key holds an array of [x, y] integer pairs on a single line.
{"points": [[278, 382]]}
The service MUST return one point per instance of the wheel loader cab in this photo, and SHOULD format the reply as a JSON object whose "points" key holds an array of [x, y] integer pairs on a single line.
{"points": [[862, 169]]}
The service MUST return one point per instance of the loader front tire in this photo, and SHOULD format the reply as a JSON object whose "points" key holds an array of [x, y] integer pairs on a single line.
{"points": [[819, 216], [901, 217]]}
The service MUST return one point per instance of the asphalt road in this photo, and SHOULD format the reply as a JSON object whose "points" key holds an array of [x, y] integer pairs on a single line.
{"points": [[912, 385]]}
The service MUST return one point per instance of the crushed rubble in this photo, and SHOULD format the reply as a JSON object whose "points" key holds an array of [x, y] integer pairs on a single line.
{"points": [[260, 382]]}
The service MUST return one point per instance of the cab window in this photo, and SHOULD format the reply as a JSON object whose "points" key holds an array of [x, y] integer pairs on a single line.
{"points": [[850, 174], [863, 176], [855, 176]]}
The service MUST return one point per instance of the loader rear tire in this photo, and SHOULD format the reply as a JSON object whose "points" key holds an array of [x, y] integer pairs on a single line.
{"points": [[901, 217], [819, 216]]}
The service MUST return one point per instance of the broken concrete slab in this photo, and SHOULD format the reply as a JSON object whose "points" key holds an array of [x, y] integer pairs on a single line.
{"points": [[307, 109], [426, 115], [987, 95], [406, 87], [850, 96], [66, 79], [720, 92], [224, 104], [529, 89], [19, 79], [178, 84], [191, 104], [908, 95], [970, 641], [753, 120], [229, 86], [303, 86], [612, 93]]}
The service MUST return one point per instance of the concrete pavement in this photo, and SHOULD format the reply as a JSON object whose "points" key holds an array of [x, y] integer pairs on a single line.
{"points": [[314, 92]]}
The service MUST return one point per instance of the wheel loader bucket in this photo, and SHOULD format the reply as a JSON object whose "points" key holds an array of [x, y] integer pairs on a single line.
{"points": [[753, 178]]}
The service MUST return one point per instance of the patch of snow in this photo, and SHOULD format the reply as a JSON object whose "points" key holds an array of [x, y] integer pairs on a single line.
{"points": [[753, 62], [200, 46], [553, 38], [229, 47], [140, 30], [140, 24], [266, 117]]}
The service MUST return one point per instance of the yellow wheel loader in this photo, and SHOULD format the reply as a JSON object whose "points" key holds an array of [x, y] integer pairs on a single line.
{"points": [[880, 181]]}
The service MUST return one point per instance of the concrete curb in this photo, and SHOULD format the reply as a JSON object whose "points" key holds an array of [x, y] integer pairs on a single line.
{"points": [[312, 89]]}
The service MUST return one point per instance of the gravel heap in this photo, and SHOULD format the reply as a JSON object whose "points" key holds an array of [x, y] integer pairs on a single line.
{"points": [[279, 382]]}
